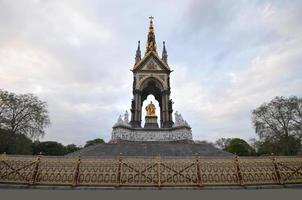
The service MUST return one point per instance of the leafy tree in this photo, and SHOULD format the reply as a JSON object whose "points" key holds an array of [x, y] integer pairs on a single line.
{"points": [[22, 145], [240, 147], [23, 114], [5, 140], [49, 148], [279, 122], [268, 147], [14, 143], [94, 142], [71, 148]]}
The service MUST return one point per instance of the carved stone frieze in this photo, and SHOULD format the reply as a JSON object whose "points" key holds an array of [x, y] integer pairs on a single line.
{"points": [[171, 134]]}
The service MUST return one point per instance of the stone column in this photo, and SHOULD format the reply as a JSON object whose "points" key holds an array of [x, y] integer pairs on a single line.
{"points": [[136, 112], [167, 121], [161, 116], [139, 110], [167, 107], [164, 112], [170, 111]]}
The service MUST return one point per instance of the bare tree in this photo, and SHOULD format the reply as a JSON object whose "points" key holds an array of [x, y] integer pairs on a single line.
{"points": [[223, 143], [24, 114], [279, 120]]}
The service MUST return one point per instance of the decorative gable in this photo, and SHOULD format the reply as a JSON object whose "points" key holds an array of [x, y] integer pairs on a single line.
{"points": [[151, 62], [151, 65]]}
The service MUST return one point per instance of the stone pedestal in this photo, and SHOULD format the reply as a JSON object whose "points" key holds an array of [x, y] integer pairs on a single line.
{"points": [[151, 135], [179, 132], [151, 122]]}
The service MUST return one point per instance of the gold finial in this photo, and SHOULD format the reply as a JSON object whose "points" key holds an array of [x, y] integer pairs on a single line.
{"points": [[151, 29]]}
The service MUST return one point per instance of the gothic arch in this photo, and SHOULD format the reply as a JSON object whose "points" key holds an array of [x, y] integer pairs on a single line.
{"points": [[158, 83], [161, 83], [151, 86]]}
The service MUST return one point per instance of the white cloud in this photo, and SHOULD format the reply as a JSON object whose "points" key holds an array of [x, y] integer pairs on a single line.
{"points": [[227, 58]]}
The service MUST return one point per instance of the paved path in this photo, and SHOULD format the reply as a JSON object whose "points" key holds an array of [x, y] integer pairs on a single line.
{"points": [[275, 194]]}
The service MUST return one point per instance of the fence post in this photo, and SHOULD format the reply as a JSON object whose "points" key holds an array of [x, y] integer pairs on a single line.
{"points": [[199, 182], [77, 172], [277, 171], [239, 174], [36, 169], [3, 156], [158, 171], [119, 171]]}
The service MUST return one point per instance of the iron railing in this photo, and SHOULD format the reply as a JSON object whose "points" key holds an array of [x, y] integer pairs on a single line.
{"points": [[155, 171]]}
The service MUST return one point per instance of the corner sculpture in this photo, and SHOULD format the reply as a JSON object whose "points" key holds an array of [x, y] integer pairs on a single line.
{"points": [[151, 75]]}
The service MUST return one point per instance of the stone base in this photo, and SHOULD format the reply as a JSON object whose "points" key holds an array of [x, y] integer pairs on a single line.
{"points": [[126, 148], [157, 134], [151, 122]]}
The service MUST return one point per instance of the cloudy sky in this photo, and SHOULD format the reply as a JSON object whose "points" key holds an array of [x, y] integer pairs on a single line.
{"points": [[228, 57]]}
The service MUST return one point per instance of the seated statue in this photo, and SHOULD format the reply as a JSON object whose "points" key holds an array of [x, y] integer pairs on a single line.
{"points": [[150, 109]]}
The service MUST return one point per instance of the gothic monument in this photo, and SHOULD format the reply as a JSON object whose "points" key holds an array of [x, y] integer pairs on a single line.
{"points": [[151, 75], [159, 135]]}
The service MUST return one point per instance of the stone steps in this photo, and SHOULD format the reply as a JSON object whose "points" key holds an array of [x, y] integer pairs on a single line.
{"points": [[150, 149]]}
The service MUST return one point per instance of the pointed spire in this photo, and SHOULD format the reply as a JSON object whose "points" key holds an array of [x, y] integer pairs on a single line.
{"points": [[165, 53], [138, 53], [151, 43]]}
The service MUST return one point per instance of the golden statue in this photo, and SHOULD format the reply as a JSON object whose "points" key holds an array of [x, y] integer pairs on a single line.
{"points": [[150, 109]]}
